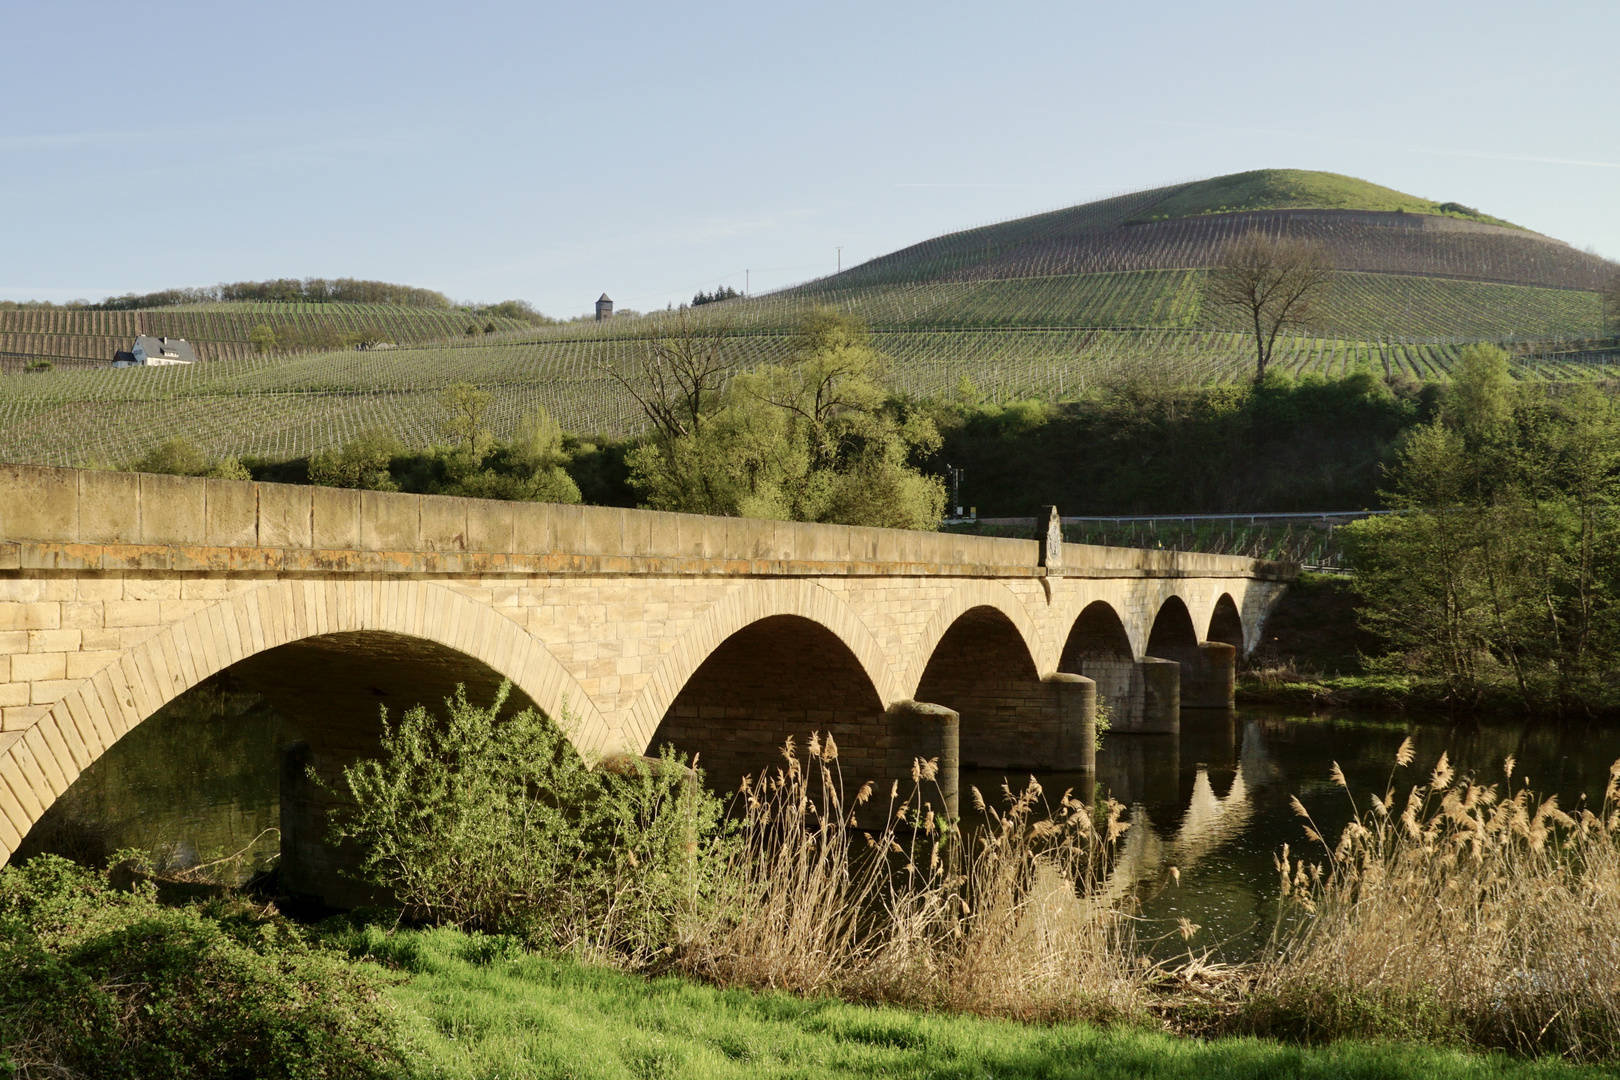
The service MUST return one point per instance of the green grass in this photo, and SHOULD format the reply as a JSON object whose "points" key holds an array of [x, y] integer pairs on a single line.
{"points": [[1290, 189], [473, 1012]]}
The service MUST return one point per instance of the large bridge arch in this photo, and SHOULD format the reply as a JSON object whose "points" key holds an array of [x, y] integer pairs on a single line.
{"points": [[91, 715], [782, 677], [965, 597], [748, 603]]}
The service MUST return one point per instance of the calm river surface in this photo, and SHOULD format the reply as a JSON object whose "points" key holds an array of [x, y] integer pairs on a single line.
{"points": [[199, 780], [1213, 802]]}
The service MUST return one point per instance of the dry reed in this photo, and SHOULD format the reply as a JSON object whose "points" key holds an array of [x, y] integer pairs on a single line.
{"points": [[1456, 912], [1006, 922]]}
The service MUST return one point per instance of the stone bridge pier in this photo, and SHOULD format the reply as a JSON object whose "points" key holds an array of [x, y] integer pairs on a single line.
{"points": [[634, 629]]}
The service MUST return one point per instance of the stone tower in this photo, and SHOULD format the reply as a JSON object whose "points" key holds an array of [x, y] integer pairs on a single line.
{"points": [[604, 308]]}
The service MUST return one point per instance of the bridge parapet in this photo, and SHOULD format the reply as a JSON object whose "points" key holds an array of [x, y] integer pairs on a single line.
{"points": [[74, 519]]}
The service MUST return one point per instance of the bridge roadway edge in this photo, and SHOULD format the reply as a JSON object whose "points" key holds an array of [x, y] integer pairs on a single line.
{"points": [[174, 579]]}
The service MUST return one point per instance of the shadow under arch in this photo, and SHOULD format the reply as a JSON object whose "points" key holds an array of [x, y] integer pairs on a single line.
{"points": [[1206, 673], [982, 668], [1099, 647], [96, 712], [741, 607], [1173, 636], [1226, 623], [779, 677], [968, 596]]}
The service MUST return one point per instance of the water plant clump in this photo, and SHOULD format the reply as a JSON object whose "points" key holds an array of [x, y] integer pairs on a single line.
{"points": [[1455, 911], [880, 898]]}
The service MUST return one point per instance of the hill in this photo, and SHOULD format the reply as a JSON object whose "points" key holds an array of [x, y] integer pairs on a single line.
{"points": [[1298, 189], [1052, 305], [1367, 229]]}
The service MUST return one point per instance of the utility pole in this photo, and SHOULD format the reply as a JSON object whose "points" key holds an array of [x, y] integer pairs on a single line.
{"points": [[746, 277], [840, 260]]}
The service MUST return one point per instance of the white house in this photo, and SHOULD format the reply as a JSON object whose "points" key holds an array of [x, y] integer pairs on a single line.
{"points": [[151, 351]]}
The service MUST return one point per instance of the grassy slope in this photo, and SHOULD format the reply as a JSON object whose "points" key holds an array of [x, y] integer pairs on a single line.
{"points": [[1294, 189], [531, 1016]]}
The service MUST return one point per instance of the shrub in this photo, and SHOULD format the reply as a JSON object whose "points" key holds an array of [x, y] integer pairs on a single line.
{"points": [[362, 462], [182, 457], [500, 826], [95, 982]]}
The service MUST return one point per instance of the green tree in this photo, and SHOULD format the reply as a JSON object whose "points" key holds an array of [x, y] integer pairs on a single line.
{"points": [[465, 406], [1481, 403], [262, 338], [821, 440], [815, 439], [1499, 573], [537, 449], [362, 462]]}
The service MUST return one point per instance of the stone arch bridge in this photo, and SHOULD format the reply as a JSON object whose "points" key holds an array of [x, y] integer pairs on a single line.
{"points": [[121, 591]]}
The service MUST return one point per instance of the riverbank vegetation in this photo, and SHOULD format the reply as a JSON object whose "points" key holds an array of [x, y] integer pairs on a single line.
{"points": [[1496, 580], [817, 931]]}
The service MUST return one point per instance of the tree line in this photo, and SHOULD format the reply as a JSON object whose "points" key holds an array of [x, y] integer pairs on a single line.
{"points": [[311, 290], [1499, 578]]}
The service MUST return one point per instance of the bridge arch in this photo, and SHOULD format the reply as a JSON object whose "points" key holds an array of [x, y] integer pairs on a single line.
{"points": [[982, 667], [93, 714], [969, 595], [1226, 623], [749, 603], [1173, 633], [780, 677]]}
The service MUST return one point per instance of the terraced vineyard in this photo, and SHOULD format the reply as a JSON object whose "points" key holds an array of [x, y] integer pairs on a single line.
{"points": [[218, 331], [1052, 305], [288, 407]]}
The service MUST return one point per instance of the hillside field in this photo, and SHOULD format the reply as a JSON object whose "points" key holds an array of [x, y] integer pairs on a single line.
{"points": [[1054, 305], [72, 337], [288, 407]]}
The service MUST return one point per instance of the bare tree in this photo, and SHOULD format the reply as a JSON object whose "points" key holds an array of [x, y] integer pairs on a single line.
{"points": [[1273, 284], [677, 373]]}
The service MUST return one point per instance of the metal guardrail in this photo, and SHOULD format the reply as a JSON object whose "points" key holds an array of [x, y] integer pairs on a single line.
{"points": [[1252, 519]]}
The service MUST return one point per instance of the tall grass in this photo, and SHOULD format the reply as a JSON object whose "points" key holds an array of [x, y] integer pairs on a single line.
{"points": [[1457, 911], [1008, 920]]}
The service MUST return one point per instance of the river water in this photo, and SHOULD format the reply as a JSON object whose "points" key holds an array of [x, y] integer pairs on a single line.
{"points": [[199, 781]]}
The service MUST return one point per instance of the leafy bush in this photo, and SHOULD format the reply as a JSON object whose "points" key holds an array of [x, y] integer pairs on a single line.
{"points": [[182, 457], [500, 826], [362, 462], [100, 983]]}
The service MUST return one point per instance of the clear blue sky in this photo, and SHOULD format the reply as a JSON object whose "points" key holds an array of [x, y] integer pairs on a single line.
{"points": [[552, 151]]}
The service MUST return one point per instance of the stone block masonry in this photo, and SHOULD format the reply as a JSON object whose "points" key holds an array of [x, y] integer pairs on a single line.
{"points": [[118, 592]]}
